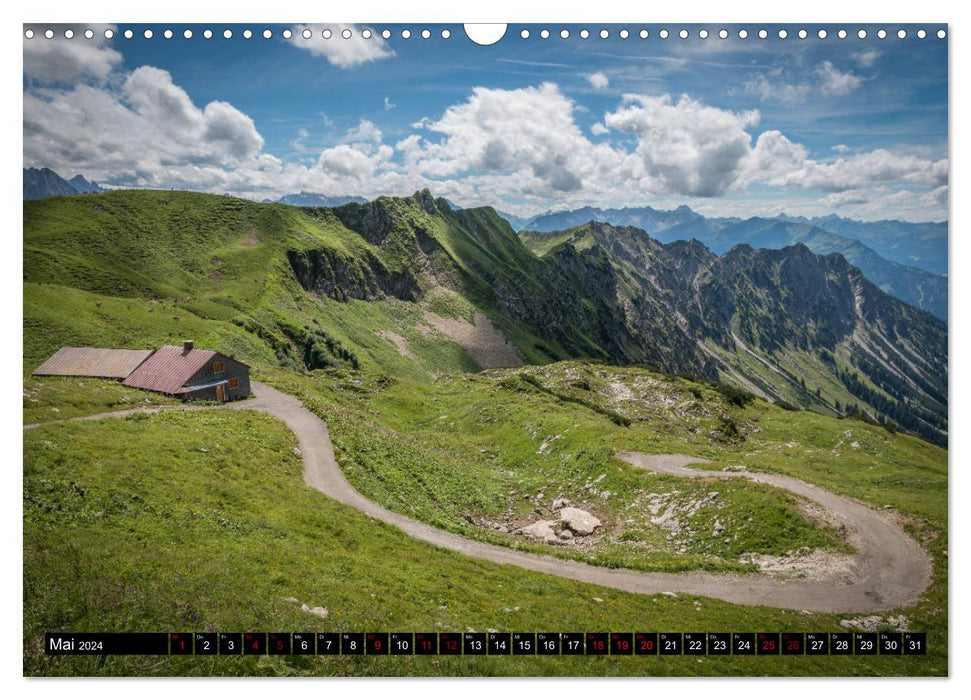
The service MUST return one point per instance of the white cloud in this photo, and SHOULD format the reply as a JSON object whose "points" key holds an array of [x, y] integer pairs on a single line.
{"points": [[599, 80], [841, 148], [388, 104], [364, 132], [876, 203], [62, 60], [145, 132], [142, 130], [872, 167], [838, 200], [520, 149], [866, 59], [773, 86], [835, 82], [137, 132], [299, 142], [686, 147], [777, 90], [354, 161], [527, 131], [341, 52]]}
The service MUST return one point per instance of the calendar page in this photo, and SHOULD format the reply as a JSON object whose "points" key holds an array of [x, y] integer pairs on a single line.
{"points": [[493, 350]]}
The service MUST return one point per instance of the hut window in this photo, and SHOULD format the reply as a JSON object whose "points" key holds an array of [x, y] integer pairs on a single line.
{"points": [[233, 382], [217, 366]]}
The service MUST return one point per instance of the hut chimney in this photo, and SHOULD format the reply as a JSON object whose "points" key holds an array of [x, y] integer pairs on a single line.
{"points": [[186, 347]]}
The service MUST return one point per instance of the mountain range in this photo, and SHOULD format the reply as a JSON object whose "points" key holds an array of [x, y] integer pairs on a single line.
{"points": [[311, 199], [370, 286], [911, 265], [44, 182]]}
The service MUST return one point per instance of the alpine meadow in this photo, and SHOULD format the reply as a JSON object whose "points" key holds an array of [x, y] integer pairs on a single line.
{"points": [[336, 332]]}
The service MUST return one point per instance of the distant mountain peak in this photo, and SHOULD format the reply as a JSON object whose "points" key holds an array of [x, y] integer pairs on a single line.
{"points": [[313, 199], [40, 183], [84, 186]]}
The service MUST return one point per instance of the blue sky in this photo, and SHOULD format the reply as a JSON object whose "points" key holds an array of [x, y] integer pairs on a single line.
{"points": [[727, 126]]}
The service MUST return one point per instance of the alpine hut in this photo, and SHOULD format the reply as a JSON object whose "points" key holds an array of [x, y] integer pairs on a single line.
{"points": [[192, 374]]}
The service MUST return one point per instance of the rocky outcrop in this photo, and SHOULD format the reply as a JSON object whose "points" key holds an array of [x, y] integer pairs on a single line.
{"points": [[578, 521], [326, 272]]}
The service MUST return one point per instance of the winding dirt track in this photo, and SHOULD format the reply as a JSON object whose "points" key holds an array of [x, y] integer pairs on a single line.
{"points": [[890, 569]]}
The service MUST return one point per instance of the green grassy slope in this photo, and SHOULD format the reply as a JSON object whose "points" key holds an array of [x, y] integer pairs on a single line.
{"points": [[497, 448], [49, 399], [311, 288], [209, 527], [154, 267], [207, 523]]}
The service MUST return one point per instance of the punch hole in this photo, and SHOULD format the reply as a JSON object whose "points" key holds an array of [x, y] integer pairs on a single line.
{"points": [[487, 34]]}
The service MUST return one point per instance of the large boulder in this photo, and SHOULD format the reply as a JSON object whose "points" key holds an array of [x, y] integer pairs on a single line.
{"points": [[579, 522], [541, 530]]}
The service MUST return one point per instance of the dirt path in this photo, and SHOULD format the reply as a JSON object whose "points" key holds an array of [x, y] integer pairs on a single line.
{"points": [[892, 570]]}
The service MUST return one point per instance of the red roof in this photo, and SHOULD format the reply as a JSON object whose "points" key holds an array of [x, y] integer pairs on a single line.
{"points": [[168, 369]]}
